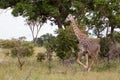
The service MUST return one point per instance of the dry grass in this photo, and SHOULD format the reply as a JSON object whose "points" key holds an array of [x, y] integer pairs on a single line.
{"points": [[33, 70], [39, 71], [39, 50]]}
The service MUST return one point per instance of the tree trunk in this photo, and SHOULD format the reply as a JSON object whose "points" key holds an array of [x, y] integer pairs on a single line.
{"points": [[59, 23], [19, 61], [49, 57], [112, 34], [35, 41], [19, 58], [114, 42]]}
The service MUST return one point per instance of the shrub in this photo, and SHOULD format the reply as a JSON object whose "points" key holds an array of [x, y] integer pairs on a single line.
{"points": [[26, 50], [66, 43], [117, 36], [108, 48], [40, 57], [105, 66], [104, 46], [13, 52], [8, 43], [45, 38]]}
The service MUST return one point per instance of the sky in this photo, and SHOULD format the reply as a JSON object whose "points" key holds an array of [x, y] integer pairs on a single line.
{"points": [[14, 27]]}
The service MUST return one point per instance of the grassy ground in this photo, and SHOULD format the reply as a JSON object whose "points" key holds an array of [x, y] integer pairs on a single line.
{"points": [[33, 70]]}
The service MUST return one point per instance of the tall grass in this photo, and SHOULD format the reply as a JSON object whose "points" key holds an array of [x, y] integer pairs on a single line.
{"points": [[33, 70]]}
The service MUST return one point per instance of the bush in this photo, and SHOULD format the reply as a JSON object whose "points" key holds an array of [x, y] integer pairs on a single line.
{"points": [[105, 66], [40, 57], [117, 36], [26, 50], [104, 46], [66, 43], [13, 52], [8, 43], [108, 48], [45, 38]]}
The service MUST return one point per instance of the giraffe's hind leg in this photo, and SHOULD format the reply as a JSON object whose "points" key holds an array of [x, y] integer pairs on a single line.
{"points": [[80, 54], [94, 61], [87, 62]]}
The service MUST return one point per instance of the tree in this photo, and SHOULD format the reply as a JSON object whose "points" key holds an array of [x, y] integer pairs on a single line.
{"points": [[46, 38], [66, 43], [35, 12], [96, 15], [109, 15], [27, 9], [22, 49], [49, 43], [53, 10], [89, 11], [35, 27]]}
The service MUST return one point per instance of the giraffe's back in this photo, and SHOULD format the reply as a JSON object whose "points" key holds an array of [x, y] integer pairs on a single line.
{"points": [[89, 45]]}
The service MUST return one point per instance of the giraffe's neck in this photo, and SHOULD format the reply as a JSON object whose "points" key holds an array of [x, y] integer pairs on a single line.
{"points": [[77, 31]]}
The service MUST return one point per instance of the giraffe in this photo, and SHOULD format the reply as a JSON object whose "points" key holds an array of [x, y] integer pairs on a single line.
{"points": [[87, 46]]}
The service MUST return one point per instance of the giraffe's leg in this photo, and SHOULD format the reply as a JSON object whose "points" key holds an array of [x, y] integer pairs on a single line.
{"points": [[94, 61], [90, 65], [86, 56], [78, 59]]}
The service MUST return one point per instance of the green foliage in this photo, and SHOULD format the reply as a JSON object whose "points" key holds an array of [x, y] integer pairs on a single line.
{"points": [[92, 13], [106, 44], [49, 42], [66, 43], [43, 9], [13, 52], [45, 39], [8, 43], [117, 36], [105, 66], [8, 3], [40, 57], [25, 50], [28, 44], [57, 10]]}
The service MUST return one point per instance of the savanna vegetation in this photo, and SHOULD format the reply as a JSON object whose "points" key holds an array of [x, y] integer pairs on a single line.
{"points": [[54, 57]]}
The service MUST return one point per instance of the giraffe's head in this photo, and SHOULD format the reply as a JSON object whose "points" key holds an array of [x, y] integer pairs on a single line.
{"points": [[69, 18]]}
